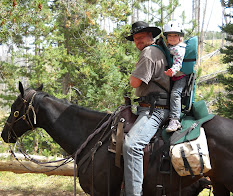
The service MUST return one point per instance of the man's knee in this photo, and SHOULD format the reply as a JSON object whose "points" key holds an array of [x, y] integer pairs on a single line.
{"points": [[126, 145]]}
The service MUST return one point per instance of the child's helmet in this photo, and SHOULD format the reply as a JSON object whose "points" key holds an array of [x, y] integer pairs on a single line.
{"points": [[173, 27]]}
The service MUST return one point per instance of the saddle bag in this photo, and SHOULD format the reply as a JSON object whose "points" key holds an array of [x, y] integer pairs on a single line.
{"points": [[192, 157]]}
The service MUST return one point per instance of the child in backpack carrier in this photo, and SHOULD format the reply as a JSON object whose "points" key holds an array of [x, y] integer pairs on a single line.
{"points": [[174, 35]]}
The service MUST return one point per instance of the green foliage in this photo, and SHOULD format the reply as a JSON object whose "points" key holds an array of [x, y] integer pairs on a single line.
{"points": [[206, 94], [227, 50], [224, 106], [209, 48], [39, 142], [225, 103], [213, 35], [64, 44]]}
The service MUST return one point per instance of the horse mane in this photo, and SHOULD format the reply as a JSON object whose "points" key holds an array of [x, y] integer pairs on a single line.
{"points": [[41, 94]]}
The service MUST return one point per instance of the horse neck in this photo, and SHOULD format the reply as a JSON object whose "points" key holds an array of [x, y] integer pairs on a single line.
{"points": [[69, 125]]}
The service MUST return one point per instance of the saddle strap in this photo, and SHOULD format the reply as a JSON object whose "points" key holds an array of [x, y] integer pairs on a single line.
{"points": [[146, 158], [186, 163], [119, 142], [176, 136], [201, 159]]}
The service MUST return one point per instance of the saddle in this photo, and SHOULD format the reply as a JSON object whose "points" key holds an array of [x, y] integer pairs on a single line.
{"points": [[121, 126], [126, 118]]}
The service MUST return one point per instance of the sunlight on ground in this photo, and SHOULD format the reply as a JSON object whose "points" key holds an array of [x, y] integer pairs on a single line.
{"points": [[37, 184]]}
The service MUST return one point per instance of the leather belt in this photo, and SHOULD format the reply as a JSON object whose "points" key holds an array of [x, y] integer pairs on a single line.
{"points": [[157, 106]]}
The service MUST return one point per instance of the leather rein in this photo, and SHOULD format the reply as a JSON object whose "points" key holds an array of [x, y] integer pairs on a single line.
{"points": [[27, 103]]}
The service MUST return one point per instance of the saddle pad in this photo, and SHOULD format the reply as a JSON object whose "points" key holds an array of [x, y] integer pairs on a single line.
{"points": [[190, 130]]}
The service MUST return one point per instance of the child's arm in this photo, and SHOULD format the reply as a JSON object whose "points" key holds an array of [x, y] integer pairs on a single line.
{"points": [[178, 53]]}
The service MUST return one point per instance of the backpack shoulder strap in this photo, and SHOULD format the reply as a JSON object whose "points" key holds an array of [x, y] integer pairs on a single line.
{"points": [[159, 85], [160, 43], [159, 47]]}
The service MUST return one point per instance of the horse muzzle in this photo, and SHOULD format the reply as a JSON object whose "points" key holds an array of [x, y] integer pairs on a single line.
{"points": [[6, 136]]}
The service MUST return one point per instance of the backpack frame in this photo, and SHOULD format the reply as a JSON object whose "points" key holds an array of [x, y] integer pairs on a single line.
{"points": [[187, 68]]}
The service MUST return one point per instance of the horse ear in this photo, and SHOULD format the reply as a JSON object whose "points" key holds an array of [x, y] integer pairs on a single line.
{"points": [[40, 88], [21, 89]]}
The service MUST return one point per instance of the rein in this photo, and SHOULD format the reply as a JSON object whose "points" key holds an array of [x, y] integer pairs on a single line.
{"points": [[29, 106], [26, 117], [96, 146]]}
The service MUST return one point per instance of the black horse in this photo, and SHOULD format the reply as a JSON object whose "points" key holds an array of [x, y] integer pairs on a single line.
{"points": [[70, 125]]}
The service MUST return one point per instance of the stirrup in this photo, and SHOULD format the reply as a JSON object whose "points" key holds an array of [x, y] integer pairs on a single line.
{"points": [[159, 189], [165, 165]]}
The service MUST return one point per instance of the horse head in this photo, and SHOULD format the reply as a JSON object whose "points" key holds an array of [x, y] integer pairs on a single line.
{"points": [[68, 124], [23, 115]]}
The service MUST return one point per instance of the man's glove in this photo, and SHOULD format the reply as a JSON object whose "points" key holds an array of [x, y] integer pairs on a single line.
{"points": [[169, 72]]}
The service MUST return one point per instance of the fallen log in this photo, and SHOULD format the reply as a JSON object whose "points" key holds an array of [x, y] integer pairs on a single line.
{"points": [[20, 156], [20, 167]]}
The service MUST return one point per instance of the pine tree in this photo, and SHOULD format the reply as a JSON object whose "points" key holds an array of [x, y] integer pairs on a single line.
{"points": [[77, 44], [225, 103]]}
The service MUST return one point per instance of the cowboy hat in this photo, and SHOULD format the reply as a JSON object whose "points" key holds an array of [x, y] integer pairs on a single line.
{"points": [[141, 26]]}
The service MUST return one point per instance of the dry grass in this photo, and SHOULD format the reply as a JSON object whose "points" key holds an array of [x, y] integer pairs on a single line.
{"points": [[208, 66], [207, 192], [41, 185], [36, 185], [214, 63]]}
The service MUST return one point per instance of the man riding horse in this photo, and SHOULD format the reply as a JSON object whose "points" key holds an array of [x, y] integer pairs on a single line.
{"points": [[152, 87]]}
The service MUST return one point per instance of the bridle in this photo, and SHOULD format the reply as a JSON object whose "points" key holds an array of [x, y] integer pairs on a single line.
{"points": [[25, 117], [27, 103]]}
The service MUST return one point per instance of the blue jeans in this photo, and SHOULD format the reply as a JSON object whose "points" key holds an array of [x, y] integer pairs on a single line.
{"points": [[175, 99], [138, 137]]}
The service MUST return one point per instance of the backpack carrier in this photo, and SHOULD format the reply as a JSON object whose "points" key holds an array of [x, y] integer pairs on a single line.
{"points": [[187, 68]]}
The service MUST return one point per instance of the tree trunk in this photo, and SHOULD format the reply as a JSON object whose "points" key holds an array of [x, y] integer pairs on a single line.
{"points": [[161, 12], [202, 30], [199, 38], [19, 168], [223, 10]]}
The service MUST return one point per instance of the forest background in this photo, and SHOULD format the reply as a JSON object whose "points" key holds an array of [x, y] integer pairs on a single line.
{"points": [[77, 50]]}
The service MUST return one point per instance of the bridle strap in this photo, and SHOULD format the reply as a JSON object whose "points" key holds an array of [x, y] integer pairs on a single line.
{"points": [[31, 94], [26, 113], [31, 107]]}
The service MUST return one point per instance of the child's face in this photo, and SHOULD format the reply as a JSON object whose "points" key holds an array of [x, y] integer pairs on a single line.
{"points": [[173, 38]]}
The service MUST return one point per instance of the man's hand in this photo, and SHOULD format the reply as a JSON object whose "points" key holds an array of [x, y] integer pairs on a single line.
{"points": [[169, 72]]}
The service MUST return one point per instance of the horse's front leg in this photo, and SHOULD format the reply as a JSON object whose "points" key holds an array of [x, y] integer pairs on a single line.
{"points": [[220, 189]]}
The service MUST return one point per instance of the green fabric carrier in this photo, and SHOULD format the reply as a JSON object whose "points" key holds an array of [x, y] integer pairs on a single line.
{"points": [[190, 125], [190, 54], [162, 46]]}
